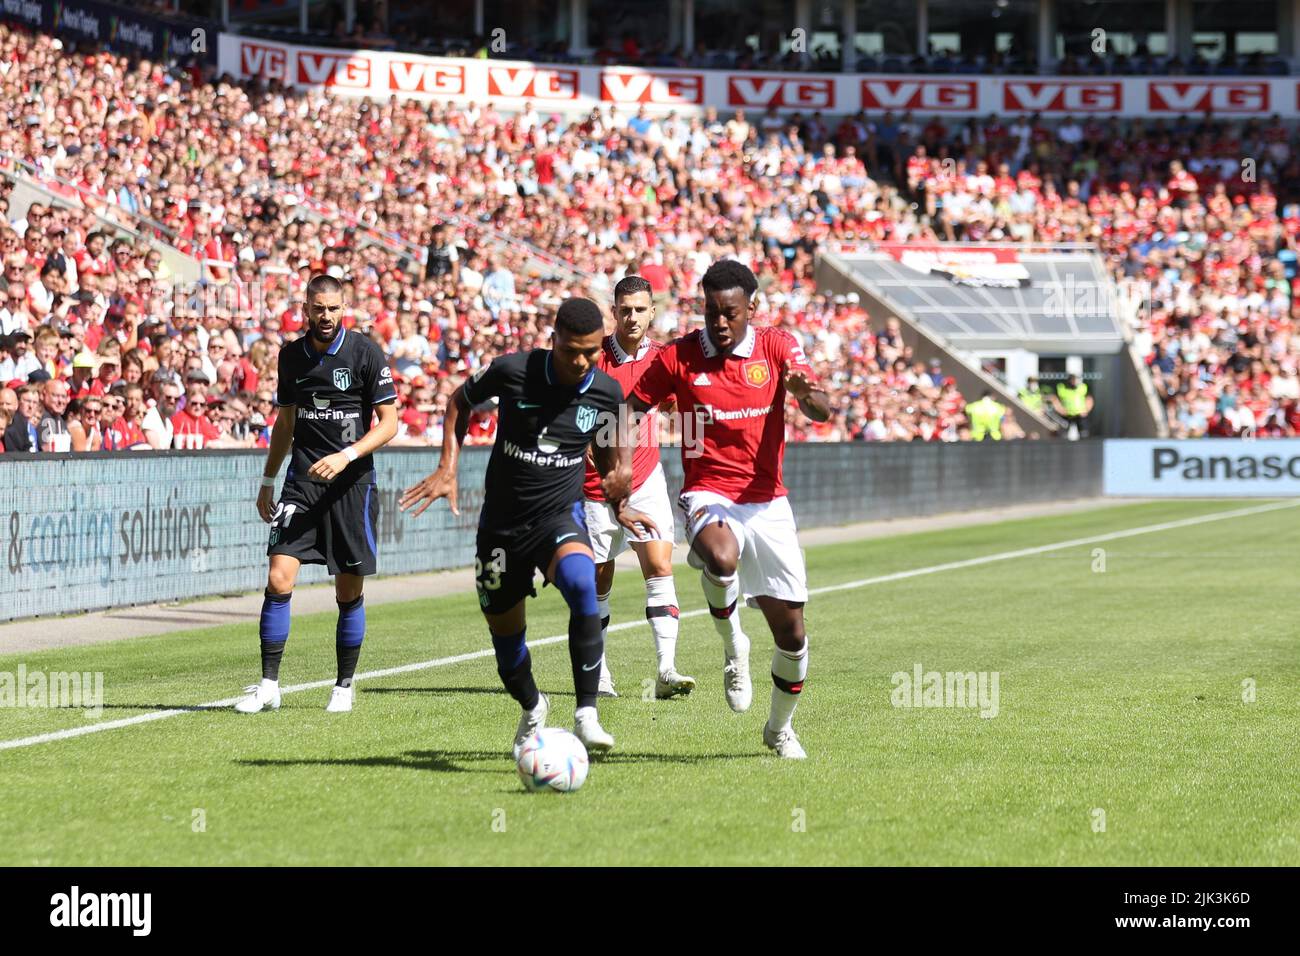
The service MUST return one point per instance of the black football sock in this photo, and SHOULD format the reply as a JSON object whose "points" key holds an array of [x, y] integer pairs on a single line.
{"points": [[586, 648], [348, 637], [273, 632], [515, 668], [347, 655], [271, 655]]}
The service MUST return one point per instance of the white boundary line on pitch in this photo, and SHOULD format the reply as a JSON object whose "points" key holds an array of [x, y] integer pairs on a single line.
{"points": [[488, 652]]}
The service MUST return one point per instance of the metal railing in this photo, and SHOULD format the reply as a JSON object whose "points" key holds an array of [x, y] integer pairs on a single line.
{"points": [[42, 177], [185, 267]]}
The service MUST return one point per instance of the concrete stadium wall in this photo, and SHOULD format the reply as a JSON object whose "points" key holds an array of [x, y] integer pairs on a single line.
{"points": [[118, 528]]}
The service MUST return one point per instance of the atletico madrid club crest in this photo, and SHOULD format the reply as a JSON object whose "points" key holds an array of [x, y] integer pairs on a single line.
{"points": [[342, 379], [756, 373], [586, 418]]}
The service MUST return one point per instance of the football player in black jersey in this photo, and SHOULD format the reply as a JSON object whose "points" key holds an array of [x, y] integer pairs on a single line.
{"points": [[553, 405], [331, 383]]}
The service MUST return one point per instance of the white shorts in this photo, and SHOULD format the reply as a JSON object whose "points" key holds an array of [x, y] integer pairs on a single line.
{"points": [[771, 559], [609, 539]]}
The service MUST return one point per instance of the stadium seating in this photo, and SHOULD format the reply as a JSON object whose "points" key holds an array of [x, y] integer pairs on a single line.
{"points": [[266, 186]]}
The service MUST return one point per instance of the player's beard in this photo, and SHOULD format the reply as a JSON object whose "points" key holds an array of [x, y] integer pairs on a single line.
{"points": [[316, 334]]}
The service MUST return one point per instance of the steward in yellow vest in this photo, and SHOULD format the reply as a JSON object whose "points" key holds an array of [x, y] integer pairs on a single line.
{"points": [[985, 417]]}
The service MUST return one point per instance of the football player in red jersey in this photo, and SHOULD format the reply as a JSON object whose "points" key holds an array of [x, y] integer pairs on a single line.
{"points": [[626, 355], [734, 378]]}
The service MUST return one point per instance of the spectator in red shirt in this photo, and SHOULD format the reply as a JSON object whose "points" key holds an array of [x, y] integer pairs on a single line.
{"points": [[126, 432], [191, 427]]}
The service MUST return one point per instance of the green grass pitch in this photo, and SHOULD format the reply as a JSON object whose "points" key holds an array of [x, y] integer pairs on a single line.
{"points": [[1125, 698]]}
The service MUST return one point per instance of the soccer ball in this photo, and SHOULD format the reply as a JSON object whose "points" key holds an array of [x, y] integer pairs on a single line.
{"points": [[552, 759]]}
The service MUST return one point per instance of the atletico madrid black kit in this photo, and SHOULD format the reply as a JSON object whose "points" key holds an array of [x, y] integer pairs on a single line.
{"points": [[533, 500], [332, 396]]}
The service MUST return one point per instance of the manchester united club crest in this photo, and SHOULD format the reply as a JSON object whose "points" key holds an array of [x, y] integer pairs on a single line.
{"points": [[757, 373], [342, 379]]}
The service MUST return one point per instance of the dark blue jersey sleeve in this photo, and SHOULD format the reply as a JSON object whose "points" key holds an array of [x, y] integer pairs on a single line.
{"points": [[286, 391], [486, 383], [378, 378]]}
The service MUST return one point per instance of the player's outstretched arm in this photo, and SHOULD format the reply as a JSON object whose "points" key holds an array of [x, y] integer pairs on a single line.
{"points": [[442, 482], [281, 439], [812, 401]]}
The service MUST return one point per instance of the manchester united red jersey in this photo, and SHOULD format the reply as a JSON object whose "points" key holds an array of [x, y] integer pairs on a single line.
{"points": [[735, 407], [627, 371]]}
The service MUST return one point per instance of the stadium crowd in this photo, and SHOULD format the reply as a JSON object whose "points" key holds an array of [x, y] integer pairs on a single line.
{"points": [[104, 348]]}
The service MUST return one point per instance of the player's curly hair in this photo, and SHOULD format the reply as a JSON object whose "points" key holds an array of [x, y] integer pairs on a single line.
{"points": [[578, 317], [631, 285], [729, 274]]}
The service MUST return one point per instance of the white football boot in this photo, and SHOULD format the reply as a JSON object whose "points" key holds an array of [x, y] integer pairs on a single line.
{"points": [[586, 727], [784, 742], [260, 697], [672, 684], [735, 677], [606, 688], [340, 700], [530, 722]]}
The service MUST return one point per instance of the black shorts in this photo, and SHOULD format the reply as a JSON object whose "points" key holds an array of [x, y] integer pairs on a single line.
{"points": [[1079, 421], [327, 524], [506, 558]]}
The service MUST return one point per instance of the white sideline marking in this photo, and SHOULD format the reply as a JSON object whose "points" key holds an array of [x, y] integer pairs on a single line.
{"points": [[488, 652]]}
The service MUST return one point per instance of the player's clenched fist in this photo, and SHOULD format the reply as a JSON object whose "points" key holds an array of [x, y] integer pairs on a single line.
{"points": [[438, 485]]}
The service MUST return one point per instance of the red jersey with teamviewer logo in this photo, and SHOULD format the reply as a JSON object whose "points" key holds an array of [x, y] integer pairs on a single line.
{"points": [[627, 371], [738, 402]]}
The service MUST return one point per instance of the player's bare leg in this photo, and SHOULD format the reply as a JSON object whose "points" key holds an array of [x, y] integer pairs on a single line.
{"points": [[719, 551], [348, 636], [573, 571], [515, 668], [273, 632], [789, 669], [604, 584], [661, 611]]}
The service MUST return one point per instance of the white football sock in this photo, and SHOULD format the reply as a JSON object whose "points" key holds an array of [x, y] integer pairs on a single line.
{"points": [[661, 611], [788, 669], [721, 594]]}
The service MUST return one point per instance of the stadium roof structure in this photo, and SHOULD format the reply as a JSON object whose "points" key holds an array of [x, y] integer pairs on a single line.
{"points": [[980, 297]]}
